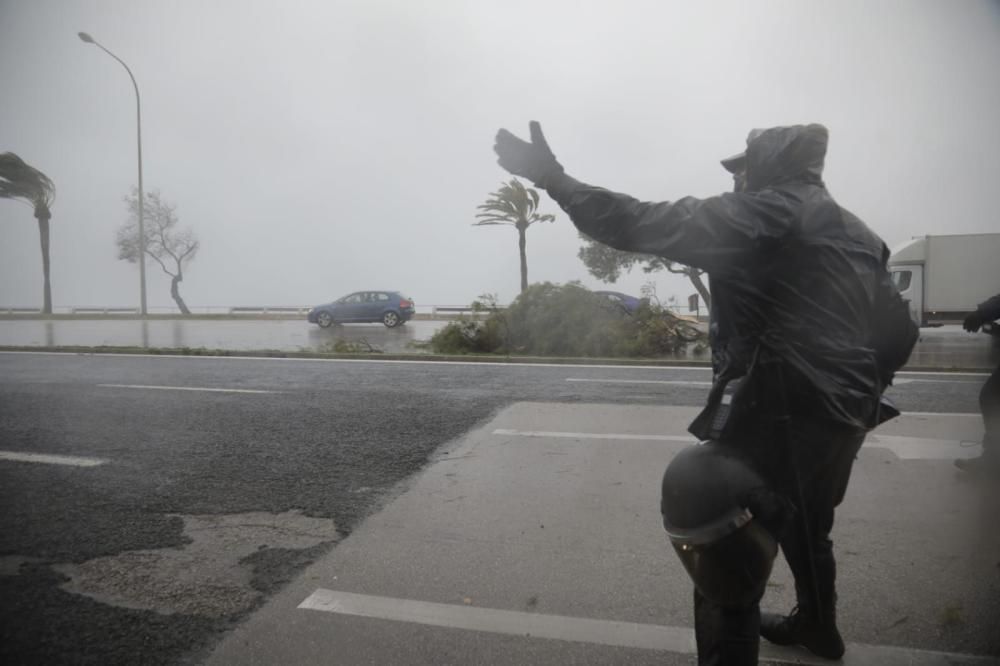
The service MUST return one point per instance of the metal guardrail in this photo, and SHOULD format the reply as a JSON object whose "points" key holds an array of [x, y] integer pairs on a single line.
{"points": [[235, 310], [269, 310], [435, 309], [121, 311]]}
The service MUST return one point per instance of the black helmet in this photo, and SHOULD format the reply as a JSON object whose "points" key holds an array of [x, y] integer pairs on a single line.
{"points": [[712, 503]]}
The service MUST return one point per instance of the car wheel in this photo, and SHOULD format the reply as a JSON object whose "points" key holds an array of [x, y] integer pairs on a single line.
{"points": [[390, 319], [324, 319]]}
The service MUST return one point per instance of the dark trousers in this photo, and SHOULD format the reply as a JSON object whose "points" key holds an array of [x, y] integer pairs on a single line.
{"points": [[726, 636], [989, 406], [823, 455]]}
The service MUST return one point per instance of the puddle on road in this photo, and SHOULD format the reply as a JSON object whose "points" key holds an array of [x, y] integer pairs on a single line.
{"points": [[210, 576]]}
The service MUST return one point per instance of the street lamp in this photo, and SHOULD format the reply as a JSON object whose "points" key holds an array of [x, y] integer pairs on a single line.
{"points": [[138, 132]]}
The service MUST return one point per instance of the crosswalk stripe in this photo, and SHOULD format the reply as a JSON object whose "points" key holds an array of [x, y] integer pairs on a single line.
{"points": [[595, 631]]}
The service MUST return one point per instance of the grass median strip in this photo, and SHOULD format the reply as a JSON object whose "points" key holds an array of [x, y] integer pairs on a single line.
{"points": [[184, 388]]}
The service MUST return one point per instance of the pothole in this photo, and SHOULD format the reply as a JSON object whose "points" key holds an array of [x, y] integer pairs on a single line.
{"points": [[207, 576]]}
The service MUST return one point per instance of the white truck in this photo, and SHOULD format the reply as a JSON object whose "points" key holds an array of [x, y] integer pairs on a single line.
{"points": [[946, 277]]}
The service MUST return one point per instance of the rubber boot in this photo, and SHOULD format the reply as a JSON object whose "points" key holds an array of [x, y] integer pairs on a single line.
{"points": [[813, 622], [817, 634]]}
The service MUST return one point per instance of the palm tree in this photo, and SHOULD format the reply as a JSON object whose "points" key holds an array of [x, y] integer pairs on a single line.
{"points": [[516, 205], [22, 182]]}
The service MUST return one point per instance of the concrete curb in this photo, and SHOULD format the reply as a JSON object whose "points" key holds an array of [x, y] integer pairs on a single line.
{"points": [[274, 353]]}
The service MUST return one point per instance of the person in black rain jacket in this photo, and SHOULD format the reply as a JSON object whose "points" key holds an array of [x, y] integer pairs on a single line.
{"points": [[989, 397], [795, 280]]}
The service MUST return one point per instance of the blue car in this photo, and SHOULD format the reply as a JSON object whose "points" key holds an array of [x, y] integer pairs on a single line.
{"points": [[389, 307], [627, 303]]}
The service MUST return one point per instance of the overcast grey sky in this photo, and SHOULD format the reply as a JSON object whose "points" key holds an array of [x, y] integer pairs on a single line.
{"points": [[318, 148]]}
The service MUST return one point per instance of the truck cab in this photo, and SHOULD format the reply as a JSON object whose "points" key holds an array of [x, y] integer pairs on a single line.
{"points": [[945, 277], [906, 266]]}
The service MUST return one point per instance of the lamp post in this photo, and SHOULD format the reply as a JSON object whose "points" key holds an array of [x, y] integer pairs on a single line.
{"points": [[138, 132]]}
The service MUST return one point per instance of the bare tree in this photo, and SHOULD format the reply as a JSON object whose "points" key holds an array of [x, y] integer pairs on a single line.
{"points": [[607, 264], [169, 246], [22, 182]]}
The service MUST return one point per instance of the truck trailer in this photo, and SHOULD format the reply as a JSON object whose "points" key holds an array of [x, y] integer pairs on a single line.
{"points": [[945, 277]]}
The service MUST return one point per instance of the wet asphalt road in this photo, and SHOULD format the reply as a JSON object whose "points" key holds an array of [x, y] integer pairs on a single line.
{"points": [[231, 334], [329, 439]]}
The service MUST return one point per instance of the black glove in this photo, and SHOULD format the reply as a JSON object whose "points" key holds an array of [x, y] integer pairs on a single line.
{"points": [[973, 322], [533, 161]]}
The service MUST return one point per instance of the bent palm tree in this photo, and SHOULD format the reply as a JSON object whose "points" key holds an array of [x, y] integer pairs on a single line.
{"points": [[516, 205], [22, 182]]}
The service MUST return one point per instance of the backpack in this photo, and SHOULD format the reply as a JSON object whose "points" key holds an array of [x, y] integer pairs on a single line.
{"points": [[893, 332]]}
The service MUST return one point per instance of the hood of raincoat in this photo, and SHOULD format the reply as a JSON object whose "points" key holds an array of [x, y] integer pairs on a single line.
{"points": [[785, 154]]}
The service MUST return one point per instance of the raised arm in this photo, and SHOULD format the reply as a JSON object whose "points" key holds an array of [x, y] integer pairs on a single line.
{"points": [[709, 233]]}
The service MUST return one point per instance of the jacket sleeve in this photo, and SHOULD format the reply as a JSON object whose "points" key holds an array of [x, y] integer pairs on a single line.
{"points": [[990, 308], [711, 234]]}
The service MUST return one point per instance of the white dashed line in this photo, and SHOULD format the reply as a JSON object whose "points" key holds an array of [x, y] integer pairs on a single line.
{"points": [[905, 448], [966, 414], [48, 459], [184, 388], [593, 435], [944, 373], [678, 640], [672, 382], [907, 380], [919, 448]]}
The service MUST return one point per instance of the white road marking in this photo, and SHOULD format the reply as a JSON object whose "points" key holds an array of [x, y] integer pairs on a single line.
{"points": [[919, 448], [593, 435], [944, 373], [678, 640], [906, 380], [49, 459], [905, 448], [693, 366], [674, 382], [583, 630], [967, 414], [679, 382], [184, 388]]}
